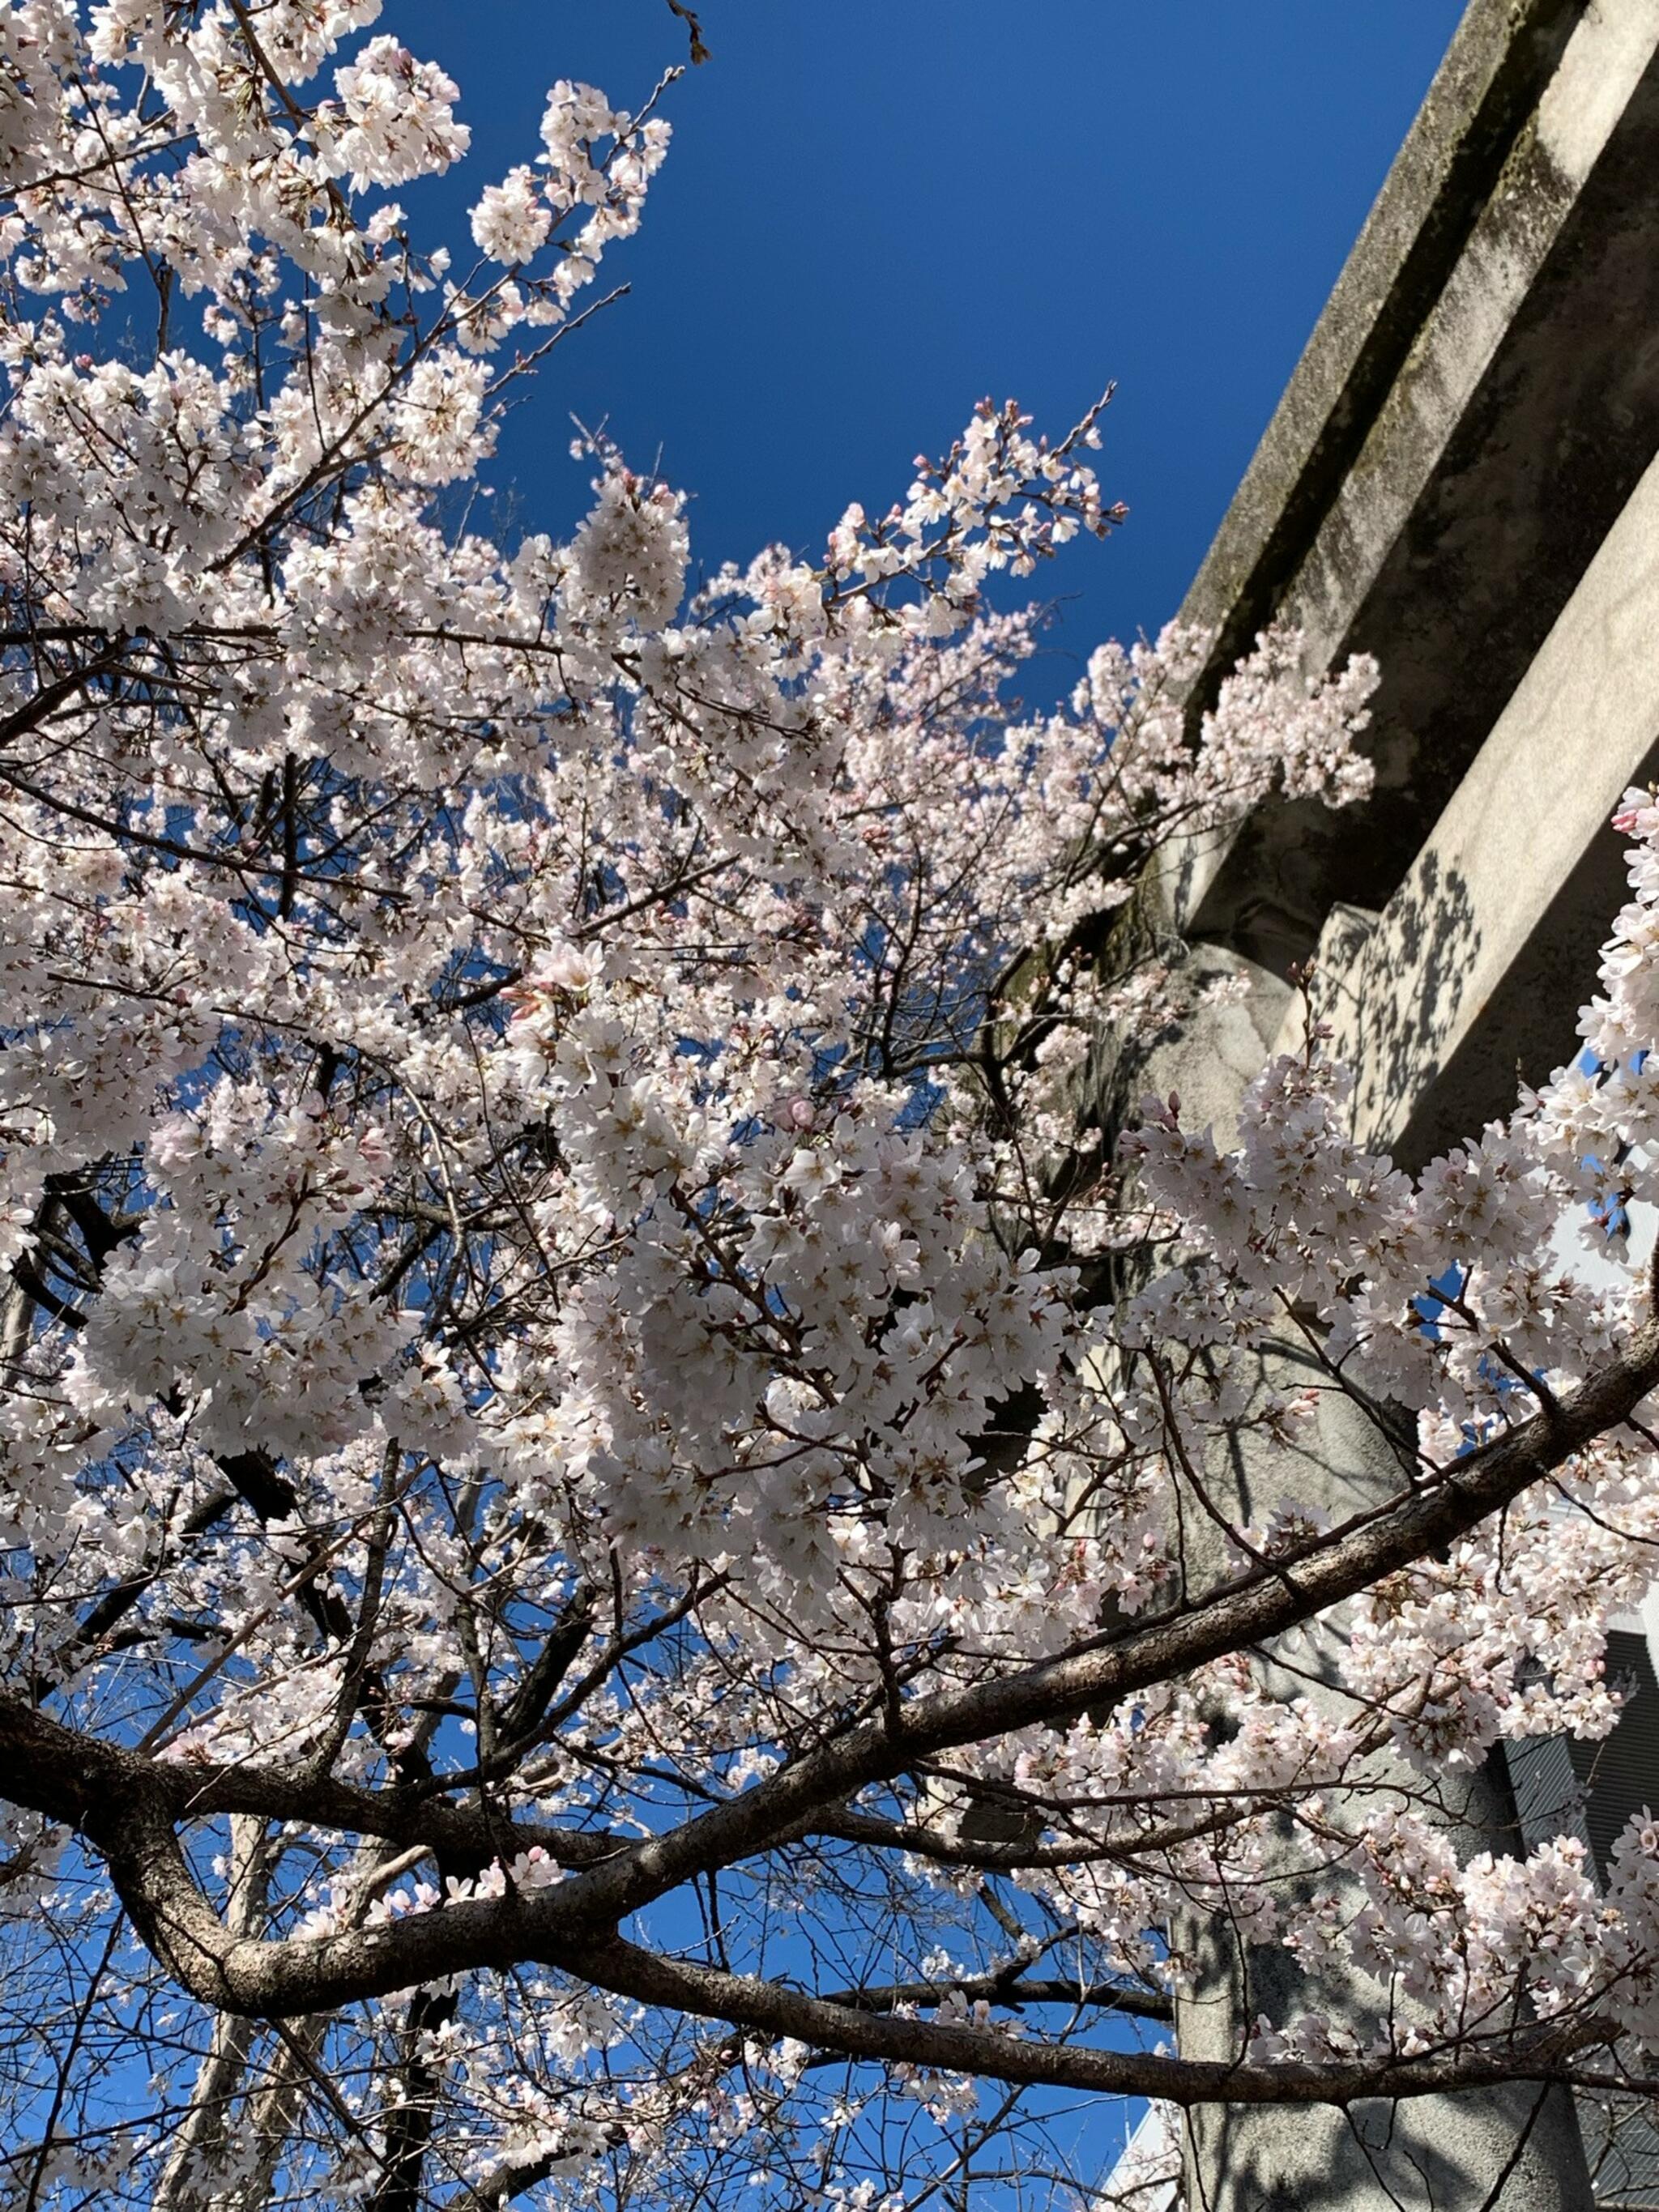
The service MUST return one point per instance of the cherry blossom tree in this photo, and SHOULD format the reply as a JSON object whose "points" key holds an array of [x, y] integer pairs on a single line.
{"points": [[614, 1582]]}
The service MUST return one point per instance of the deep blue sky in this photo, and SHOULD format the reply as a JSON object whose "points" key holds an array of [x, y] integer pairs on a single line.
{"points": [[876, 210]]}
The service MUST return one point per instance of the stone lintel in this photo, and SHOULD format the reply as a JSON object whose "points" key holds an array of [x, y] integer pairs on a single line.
{"points": [[1475, 967], [1487, 86], [1522, 408]]}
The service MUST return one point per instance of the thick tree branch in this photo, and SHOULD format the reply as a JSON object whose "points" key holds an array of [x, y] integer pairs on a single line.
{"points": [[130, 1807], [1241, 1616], [769, 2009]]}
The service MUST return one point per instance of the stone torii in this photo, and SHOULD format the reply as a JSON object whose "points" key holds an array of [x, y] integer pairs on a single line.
{"points": [[1461, 479]]}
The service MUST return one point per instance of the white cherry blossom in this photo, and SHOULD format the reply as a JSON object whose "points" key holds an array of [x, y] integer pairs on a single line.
{"points": [[581, 1356]]}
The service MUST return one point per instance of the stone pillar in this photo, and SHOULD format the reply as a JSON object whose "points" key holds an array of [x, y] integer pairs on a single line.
{"points": [[1504, 2150]]}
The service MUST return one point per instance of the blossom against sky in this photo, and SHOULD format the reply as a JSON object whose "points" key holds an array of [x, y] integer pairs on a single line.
{"points": [[874, 213], [556, 1265]]}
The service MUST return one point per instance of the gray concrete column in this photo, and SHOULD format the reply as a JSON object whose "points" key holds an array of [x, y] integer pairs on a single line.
{"points": [[1506, 2150]]}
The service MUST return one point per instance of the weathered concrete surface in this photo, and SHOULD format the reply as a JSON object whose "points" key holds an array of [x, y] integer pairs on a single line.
{"points": [[1496, 67], [1521, 416], [1441, 2155], [1509, 2150], [1477, 961], [1503, 2151]]}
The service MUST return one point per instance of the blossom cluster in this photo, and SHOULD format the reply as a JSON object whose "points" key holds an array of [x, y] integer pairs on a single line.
{"points": [[563, 1257]]}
